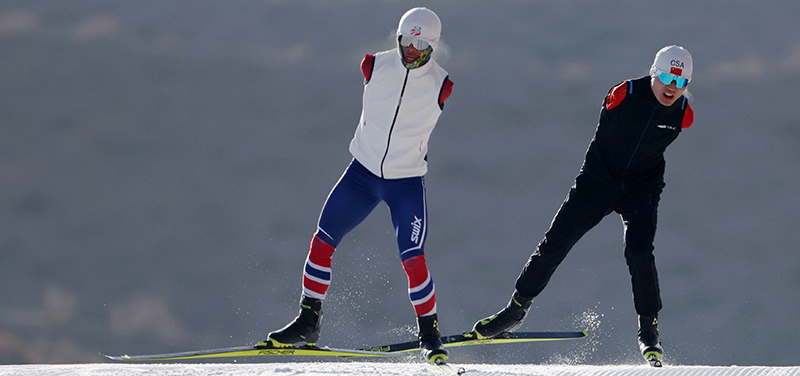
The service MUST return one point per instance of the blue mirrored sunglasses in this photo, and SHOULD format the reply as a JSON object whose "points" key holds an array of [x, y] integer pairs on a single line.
{"points": [[419, 43], [667, 79]]}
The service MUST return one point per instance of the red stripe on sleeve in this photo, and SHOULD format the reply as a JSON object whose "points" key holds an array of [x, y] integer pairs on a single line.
{"points": [[447, 89], [366, 66], [616, 95], [688, 117]]}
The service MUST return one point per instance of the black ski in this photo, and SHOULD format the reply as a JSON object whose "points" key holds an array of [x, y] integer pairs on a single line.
{"points": [[469, 339]]}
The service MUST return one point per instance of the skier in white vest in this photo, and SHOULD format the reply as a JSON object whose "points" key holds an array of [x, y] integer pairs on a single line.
{"points": [[404, 94]]}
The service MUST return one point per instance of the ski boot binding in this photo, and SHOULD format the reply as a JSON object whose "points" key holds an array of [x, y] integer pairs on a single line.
{"points": [[305, 328], [507, 320], [430, 340]]}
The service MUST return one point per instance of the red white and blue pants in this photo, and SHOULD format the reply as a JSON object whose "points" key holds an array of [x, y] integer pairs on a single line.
{"points": [[350, 201]]}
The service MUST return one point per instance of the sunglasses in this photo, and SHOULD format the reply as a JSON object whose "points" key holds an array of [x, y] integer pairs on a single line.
{"points": [[419, 43], [667, 79]]}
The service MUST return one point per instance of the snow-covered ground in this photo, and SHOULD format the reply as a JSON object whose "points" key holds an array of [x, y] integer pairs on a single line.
{"points": [[384, 369]]}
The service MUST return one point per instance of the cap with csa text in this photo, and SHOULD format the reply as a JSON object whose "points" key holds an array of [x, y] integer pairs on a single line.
{"points": [[673, 60]]}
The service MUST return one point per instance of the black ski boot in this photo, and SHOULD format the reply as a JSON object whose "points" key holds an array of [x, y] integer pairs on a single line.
{"points": [[507, 320], [430, 340], [305, 327], [649, 341]]}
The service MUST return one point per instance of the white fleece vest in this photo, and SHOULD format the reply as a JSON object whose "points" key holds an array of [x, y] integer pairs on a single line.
{"points": [[400, 110]]}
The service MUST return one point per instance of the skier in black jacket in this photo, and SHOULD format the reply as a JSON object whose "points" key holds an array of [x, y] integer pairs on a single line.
{"points": [[623, 172]]}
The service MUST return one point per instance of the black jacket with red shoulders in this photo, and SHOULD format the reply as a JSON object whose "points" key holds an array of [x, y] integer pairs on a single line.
{"points": [[634, 130]]}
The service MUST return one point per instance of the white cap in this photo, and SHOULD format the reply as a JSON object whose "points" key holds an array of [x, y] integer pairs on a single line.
{"points": [[673, 59], [421, 23]]}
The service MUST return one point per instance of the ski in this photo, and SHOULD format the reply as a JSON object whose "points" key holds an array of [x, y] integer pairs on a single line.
{"points": [[260, 349], [470, 338], [393, 350]]}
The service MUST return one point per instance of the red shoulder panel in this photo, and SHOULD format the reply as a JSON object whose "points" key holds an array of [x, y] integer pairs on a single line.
{"points": [[447, 89], [688, 117], [616, 95], [366, 66]]}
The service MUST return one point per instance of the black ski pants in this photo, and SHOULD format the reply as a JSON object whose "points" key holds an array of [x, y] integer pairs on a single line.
{"points": [[584, 207]]}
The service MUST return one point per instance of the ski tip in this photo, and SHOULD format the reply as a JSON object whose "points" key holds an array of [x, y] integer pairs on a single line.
{"points": [[443, 367], [654, 362], [116, 357]]}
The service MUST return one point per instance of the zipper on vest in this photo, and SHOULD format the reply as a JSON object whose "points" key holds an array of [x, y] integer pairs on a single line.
{"points": [[624, 172], [394, 120]]}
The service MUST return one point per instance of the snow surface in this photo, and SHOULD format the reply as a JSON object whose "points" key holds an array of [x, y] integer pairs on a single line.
{"points": [[384, 369]]}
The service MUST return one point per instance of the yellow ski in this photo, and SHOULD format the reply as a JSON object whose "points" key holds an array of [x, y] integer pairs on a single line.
{"points": [[258, 350]]}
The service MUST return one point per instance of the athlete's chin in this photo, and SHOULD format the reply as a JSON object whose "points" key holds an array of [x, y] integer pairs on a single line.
{"points": [[667, 100]]}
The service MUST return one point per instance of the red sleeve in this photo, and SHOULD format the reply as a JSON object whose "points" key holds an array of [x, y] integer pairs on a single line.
{"points": [[447, 89], [688, 117], [366, 66], [616, 95]]}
